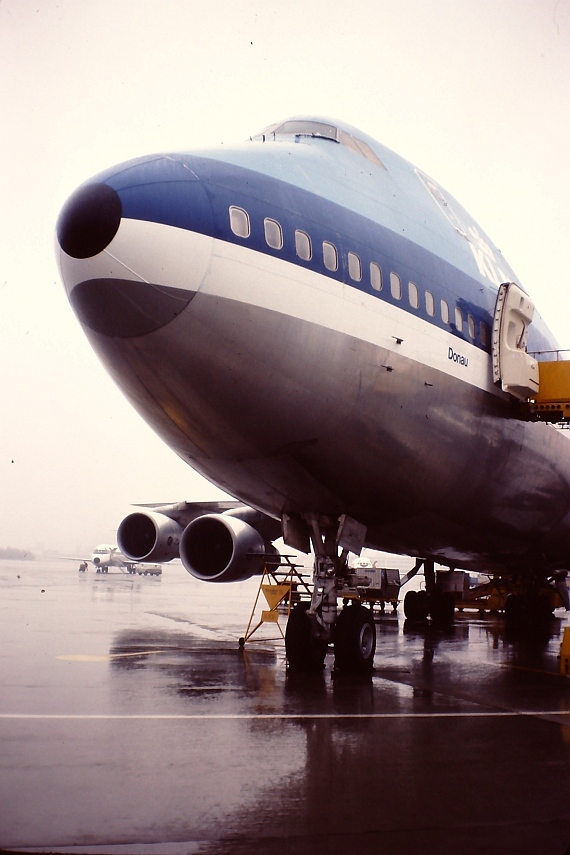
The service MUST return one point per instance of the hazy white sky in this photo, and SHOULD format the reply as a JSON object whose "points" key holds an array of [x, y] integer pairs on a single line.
{"points": [[475, 92]]}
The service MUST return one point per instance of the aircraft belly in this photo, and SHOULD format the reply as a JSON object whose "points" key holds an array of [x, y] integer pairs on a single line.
{"points": [[290, 415]]}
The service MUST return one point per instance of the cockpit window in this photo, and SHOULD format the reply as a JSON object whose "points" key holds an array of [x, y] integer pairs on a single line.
{"points": [[360, 147], [307, 128], [320, 130]]}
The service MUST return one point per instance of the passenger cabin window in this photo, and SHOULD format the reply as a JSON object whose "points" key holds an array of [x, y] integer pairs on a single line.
{"points": [[375, 276], [303, 246], [273, 233], [458, 319], [413, 295], [330, 256], [241, 227], [354, 267], [239, 222], [395, 286]]}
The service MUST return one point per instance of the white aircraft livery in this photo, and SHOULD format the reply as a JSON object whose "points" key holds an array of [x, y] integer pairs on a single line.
{"points": [[105, 556], [321, 330]]}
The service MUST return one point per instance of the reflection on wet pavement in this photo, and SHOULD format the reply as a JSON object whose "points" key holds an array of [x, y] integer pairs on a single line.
{"points": [[131, 718]]}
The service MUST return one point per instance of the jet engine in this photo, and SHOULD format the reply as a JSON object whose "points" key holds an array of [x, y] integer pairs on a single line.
{"points": [[223, 548], [149, 537]]}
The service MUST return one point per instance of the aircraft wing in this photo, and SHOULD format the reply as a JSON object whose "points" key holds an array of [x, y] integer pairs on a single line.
{"points": [[184, 512], [179, 510]]}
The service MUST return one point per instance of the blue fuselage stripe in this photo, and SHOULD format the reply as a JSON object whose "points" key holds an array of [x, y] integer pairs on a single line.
{"points": [[195, 193]]}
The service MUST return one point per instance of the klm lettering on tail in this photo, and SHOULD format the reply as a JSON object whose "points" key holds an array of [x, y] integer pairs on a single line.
{"points": [[457, 357]]}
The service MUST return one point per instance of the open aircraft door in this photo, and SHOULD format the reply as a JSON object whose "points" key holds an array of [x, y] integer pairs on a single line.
{"points": [[515, 370]]}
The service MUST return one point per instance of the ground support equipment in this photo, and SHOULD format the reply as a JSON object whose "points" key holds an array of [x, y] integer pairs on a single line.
{"points": [[379, 586], [283, 586]]}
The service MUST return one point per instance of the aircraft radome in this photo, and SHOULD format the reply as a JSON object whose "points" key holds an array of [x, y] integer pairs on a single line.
{"points": [[321, 330]]}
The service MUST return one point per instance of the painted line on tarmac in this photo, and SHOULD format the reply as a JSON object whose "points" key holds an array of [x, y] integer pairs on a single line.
{"points": [[275, 716]]}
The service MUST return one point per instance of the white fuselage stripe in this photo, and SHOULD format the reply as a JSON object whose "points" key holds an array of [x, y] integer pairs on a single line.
{"points": [[217, 268], [251, 277]]}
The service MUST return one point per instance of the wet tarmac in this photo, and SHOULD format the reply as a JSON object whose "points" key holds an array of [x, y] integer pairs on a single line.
{"points": [[131, 722]]}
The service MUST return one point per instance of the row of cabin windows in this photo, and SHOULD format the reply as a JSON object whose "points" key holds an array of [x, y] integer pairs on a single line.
{"points": [[241, 227]]}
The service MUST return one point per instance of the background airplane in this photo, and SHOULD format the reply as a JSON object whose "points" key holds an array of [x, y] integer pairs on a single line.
{"points": [[321, 330], [106, 556]]}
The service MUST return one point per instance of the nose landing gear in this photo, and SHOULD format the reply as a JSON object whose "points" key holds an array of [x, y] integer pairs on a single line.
{"points": [[311, 628]]}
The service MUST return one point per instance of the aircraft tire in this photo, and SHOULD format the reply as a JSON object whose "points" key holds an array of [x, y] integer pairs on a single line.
{"points": [[304, 652], [410, 610], [416, 605], [442, 607], [422, 603], [355, 639]]}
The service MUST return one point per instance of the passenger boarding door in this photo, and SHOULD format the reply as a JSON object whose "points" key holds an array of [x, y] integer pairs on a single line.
{"points": [[514, 369]]}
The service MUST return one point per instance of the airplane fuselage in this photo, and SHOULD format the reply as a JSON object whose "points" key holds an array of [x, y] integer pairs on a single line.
{"points": [[306, 320]]}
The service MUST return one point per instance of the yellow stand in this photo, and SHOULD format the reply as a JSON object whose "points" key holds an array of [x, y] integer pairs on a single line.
{"points": [[282, 586]]}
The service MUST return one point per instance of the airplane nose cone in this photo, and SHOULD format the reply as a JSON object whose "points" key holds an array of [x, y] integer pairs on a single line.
{"points": [[89, 220], [155, 219]]}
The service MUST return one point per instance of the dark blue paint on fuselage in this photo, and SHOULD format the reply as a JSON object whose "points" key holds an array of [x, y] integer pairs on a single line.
{"points": [[195, 193]]}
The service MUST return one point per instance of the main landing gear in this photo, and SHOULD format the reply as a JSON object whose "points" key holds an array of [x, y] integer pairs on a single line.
{"points": [[439, 605], [313, 626], [434, 603], [532, 600]]}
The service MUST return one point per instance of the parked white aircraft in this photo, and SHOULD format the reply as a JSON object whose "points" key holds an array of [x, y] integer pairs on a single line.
{"points": [[105, 556]]}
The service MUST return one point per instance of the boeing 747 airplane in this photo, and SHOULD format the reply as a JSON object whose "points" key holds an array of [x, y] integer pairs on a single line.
{"points": [[321, 330]]}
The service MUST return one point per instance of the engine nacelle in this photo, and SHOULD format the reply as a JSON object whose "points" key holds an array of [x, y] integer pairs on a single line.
{"points": [[149, 536], [222, 548]]}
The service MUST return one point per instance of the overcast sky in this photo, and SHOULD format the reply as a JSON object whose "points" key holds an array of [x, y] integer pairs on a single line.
{"points": [[475, 92]]}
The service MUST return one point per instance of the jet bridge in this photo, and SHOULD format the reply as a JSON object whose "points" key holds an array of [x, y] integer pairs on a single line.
{"points": [[551, 403]]}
